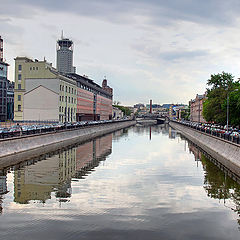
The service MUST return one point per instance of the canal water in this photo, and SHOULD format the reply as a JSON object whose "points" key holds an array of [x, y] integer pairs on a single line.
{"points": [[137, 183]]}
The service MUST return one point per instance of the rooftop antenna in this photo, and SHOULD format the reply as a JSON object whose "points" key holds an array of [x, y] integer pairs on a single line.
{"points": [[62, 34]]}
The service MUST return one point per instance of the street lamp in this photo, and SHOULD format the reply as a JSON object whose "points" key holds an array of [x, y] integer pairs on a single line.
{"points": [[235, 90]]}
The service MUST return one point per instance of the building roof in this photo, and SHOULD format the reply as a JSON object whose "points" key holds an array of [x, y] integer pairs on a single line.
{"points": [[87, 81]]}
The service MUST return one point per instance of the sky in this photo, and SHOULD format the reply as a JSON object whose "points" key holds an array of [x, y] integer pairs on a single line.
{"points": [[147, 49]]}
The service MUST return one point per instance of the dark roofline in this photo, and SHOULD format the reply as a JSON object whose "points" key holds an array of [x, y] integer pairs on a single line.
{"points": [[88, 82]]}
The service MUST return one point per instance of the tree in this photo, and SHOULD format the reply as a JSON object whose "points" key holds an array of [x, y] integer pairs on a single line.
{"points": [[215, 107], [125, 110], [185, 113]]}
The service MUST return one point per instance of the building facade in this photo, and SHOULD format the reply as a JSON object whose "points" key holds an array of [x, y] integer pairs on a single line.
{"points": [[44, 94], [10, 100], [117, 113], [65, 56], [196, 108], [3, 91], [6, 89], [93, 101], [1, 49]]}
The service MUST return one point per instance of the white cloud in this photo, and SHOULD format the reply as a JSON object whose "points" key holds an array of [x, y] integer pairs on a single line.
{"points": [[157, 50]]}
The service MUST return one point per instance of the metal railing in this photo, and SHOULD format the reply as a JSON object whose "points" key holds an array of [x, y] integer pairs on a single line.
{"points": [[50, 128], [225, 136]]}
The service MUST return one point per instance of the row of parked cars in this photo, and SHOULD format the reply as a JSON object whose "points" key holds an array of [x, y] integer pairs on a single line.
{"points": [[19, 130], [232, 133]]}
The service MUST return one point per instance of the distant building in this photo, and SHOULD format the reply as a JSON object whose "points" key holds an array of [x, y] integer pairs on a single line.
{"points": [[6, 89], [10, 100], [65, 56], [117, 113], [179, 110], [1, 49], [173, 110], [3, 91], [196, 108], [167, 106]]}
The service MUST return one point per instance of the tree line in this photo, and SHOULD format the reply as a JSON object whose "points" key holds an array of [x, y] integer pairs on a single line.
{"points": [[223, 90]]}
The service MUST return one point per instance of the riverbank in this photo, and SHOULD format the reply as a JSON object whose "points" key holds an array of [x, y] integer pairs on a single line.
{"points": [[13, 151], [227, 153]]}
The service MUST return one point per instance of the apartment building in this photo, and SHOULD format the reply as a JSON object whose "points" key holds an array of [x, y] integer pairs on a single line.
{"points": [[196, 108], [42, 94]]}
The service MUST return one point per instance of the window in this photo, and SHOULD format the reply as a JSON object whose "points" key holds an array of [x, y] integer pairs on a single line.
{"points": [[30, 68], [60, 98], [66, 88], [69, 100], [20, 77], [72, 90], [60, 109], [66, 99], [72, 99], [19, 107], [19, 86], [19, 97], [33, 68], [69, 89], [19, 67], [36, 68], [60, 87]]}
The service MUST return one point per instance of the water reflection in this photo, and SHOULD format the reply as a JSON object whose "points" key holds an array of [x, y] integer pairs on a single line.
{"points": [[3, 187], [217, 184], [145, 190], [54, 174]]}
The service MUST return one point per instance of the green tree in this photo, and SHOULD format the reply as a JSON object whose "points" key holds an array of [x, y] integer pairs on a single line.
{"points": [[125, 110], [185, 114], [215, 107]]}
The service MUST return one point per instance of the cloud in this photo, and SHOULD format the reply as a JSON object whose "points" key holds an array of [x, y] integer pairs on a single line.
{"points": [[159, 12], [164, 50]]}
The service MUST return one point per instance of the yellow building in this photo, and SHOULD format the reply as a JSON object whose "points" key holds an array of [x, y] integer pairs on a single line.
{"points": [[39, 180], [42, 94]]}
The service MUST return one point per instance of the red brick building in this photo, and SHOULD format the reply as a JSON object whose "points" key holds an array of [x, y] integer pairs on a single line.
{"points": [[93, 101]]}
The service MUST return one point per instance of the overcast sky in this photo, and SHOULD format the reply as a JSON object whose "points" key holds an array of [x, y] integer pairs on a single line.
{"points": [[148, 49]]}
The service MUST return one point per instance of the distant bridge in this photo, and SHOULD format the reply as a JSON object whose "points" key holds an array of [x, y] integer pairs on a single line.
{"points": [[151, 118]]}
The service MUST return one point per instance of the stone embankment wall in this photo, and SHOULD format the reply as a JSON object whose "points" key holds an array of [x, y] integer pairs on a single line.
{"points": [[15, 150], [227, 153]]}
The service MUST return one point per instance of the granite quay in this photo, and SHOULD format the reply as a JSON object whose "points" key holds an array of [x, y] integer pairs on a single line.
{"points": [[14, 150], [225, 151]]}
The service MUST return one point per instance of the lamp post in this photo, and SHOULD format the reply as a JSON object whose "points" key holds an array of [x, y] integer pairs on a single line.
{"points": [[227, 109], [235, 90]]}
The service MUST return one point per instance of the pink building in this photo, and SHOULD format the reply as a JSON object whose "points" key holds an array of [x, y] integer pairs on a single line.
{"points": [[196, 107], [94, 102]]}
